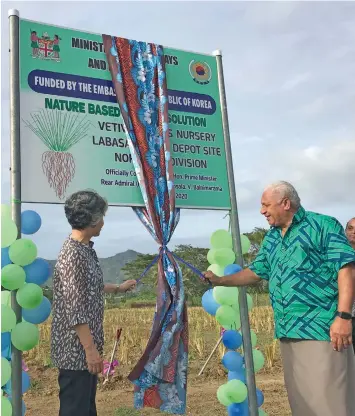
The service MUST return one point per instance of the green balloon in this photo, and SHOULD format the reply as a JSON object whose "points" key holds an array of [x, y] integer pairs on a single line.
{"points": [[5, 297], [236, 307], [23, 252], [237, 391], [259, 360], [25, 336], [12, 277], [221, 239], [262, 412], [254, 338], [8, 318], [237, 323], [224, 256], [6, 407], [245, 243], [5, 371], [216, 269], [29, 296], [250, 302], [222, 395], [210, 256], [5, 211], [8, 232], [226, 295], [227, 317]]}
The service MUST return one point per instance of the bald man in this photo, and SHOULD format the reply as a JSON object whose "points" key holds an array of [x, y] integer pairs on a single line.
{"points": [[309, 264], [350, 233]]}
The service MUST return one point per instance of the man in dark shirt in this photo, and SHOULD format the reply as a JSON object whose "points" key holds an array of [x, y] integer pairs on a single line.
{"points": [[350, 233]]}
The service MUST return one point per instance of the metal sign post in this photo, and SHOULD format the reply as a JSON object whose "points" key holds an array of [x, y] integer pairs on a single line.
{"points": [[15, 177], [243, 305], [14, 24]]}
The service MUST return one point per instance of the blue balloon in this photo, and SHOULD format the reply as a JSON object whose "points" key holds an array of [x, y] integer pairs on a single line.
{"points": [[231, 269], [237, 375], [238, 409], [30, 222], [26, 384], [259, 397], [259, 400], [232, 339], [5, 259], [38, 272], [5, 344], [208, 302], [38, 315], [232, 361]]}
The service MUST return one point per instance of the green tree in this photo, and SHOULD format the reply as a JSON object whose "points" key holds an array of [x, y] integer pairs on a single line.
{"points": [[193, 284], [48, 293], [134, 269], [256, 238]]}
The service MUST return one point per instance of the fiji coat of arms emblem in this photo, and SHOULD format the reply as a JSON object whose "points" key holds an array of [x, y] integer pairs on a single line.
{"points": [[44, 47]]}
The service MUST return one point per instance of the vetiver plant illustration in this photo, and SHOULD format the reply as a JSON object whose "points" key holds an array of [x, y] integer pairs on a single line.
{"points": [[59, 132]]}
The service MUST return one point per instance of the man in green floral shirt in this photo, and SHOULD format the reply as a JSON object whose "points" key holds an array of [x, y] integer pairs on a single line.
{"points": [[310, 267]]}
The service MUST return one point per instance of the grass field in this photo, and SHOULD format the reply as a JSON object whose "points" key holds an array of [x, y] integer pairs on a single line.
{"points": [[116, 397]]}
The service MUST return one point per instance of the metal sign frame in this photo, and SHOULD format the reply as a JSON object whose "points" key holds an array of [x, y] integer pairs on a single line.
{"points": [[15, 139]]}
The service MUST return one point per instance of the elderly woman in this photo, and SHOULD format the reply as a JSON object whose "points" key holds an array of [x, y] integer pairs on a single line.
{"points": [[78, 306]]}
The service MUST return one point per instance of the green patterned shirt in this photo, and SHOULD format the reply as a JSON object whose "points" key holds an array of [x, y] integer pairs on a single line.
{"points": [[302, 269]]}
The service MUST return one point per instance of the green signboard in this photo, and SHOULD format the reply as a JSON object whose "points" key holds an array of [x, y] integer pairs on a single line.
{"points": [[73, 136]]}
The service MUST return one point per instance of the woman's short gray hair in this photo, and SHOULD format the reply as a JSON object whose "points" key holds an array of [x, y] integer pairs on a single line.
{"points": [[286, 190], [85, 209]]}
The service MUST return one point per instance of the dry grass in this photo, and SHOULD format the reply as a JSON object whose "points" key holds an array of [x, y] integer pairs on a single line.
{"points": [[136, 324]]}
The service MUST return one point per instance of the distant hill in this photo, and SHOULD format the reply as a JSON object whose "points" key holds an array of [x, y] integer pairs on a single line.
{"points": [[111, 266]]}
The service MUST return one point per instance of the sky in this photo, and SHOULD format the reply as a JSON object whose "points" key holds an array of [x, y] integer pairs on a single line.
{"points": [[289, 72]]}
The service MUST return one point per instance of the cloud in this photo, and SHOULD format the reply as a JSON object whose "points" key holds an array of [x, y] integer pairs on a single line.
{"points": [[289, 73], [328, 173], [342, 52], [270, 15], [323, 175], [313, 152], [251, 139], [316, 106], [295, 81]]}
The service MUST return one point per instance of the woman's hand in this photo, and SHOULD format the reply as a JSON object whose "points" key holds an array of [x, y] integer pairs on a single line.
{"points": [[94, 360], [127, 285]]}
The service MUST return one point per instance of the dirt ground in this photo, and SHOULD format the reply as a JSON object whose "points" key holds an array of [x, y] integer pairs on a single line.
{"points": [[116, 398]]}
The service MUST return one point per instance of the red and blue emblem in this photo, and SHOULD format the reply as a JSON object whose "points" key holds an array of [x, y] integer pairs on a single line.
{"points": [[200, 71]]}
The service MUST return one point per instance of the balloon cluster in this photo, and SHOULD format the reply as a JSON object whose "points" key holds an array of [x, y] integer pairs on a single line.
{"points": [[21, 270], [222, 302]]}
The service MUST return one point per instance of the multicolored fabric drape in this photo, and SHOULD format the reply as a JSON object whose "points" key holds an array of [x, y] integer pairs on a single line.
{"points": [[138, 74]]}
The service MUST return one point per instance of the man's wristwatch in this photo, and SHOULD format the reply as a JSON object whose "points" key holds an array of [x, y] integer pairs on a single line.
{"points": [[345, 315]]}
